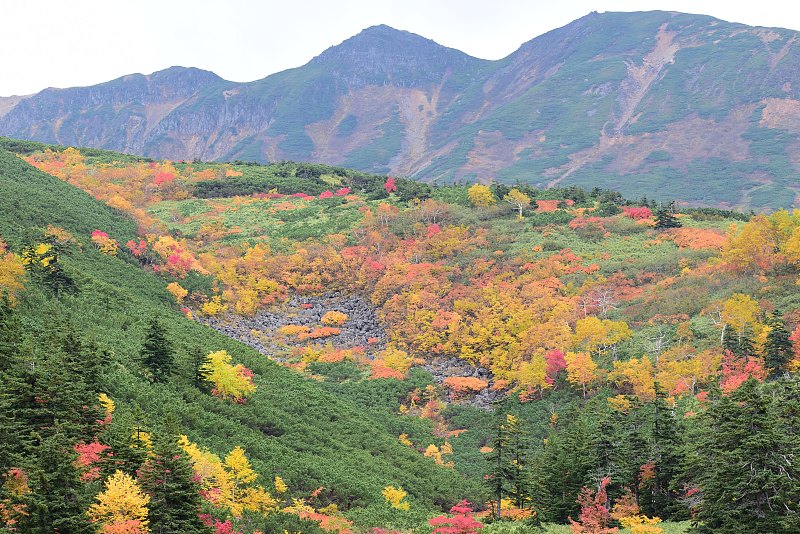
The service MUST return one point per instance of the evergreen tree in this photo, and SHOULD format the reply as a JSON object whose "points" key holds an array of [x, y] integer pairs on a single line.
{"points": [[500, 467], [58, 499], [68, 384], [519, 486], [778, 348], [168, 478], [739, 343], [157, 354], [740, 456], [128, 439], [197, 375], [666, 447], [665, 217], [565, 463], [10, 331]]}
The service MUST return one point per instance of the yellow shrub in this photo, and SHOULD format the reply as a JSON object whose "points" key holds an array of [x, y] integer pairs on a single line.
{"points": [[334, 318]]}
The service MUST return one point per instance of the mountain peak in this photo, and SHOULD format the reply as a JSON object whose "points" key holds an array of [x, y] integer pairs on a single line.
{"points": [[183, 72], [381, 52]]}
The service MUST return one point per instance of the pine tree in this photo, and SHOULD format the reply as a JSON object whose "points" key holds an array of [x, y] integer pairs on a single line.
{"points": [[10, 331], [565, 463], [665, 217], [128, 439], [168, 478], [778, 348], [157, 354], [519, 486]]}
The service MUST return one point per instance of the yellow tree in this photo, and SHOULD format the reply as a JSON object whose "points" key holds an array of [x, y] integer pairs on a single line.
{"points": [[241, 475], [518, 200], [230, 381], [231, 483], [121, 507], [481, 196], [12, 274], [581, 369], [739, 312], [639, 374], [598, 335], [533, 374], [764, 242], [395, 497]]}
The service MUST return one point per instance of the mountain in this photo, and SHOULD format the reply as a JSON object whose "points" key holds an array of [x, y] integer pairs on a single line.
{"points": [[665, 104]]}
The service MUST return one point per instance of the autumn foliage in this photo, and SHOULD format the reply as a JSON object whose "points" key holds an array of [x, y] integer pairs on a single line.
{"points": [[232, 382], [461, 521]]}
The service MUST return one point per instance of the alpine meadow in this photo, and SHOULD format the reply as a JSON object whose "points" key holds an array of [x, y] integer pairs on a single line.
{"points": [[401, 289]]}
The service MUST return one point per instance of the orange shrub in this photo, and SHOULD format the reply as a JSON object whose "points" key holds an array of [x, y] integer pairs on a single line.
{"points": [[294, 329], [697, 238], [318, 333], [334, 318], [546, 206], [464, 384]]}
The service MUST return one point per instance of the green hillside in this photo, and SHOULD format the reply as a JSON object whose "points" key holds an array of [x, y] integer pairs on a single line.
{"points": [[290, 427], [552, 356]]}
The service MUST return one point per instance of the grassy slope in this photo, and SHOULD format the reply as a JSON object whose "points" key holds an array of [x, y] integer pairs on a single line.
{"points": [[290, 426]]}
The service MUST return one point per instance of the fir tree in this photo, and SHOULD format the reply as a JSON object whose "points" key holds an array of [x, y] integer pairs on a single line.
{"points": [[502, 471], [565, 463], [778, 348], [739, 343], [666, 447], [157, 354], [168, 478], [10, 331], [128, 439], [58, 499], [519, 486], [741, 458], [665, 217]]}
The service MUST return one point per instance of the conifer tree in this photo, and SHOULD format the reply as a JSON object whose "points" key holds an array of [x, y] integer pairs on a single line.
{"points": [[58, 498], [778, 348], [739, 343], [168, 478], [157, 353], [10, 331], [519, 486], [665, 217], [501, 471], [740, 457], [128, 439], [666, 447]]}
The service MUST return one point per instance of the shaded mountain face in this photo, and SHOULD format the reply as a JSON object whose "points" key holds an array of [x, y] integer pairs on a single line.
{"points": [[658, 103]]}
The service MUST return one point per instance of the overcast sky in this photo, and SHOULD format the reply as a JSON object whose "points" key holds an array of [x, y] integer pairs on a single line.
{"points": [[48, 43]]}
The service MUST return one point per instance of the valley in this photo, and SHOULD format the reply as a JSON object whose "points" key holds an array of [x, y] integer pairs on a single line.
{"points": [[404, 347]]}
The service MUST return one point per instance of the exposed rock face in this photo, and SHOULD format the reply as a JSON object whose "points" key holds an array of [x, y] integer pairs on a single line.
{"points": [[630, 101], [442, 368], [362, 327]]}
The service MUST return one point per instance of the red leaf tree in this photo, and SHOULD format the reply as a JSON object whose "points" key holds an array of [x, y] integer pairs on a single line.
{"points": [[595, 516], [462, 521]]}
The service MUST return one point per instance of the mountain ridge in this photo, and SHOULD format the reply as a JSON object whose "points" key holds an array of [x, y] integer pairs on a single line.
{"points": [[630, 101]]}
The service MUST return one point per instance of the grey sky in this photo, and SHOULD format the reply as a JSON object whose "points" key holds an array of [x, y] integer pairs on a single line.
{"points": [[83, 42]]}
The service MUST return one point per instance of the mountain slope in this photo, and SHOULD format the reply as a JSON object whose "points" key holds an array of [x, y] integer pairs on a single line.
{"points": [[290, 427], [692, 107]]}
